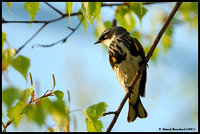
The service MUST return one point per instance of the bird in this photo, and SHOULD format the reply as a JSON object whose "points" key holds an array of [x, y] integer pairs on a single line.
{"points": [[126, 55]]}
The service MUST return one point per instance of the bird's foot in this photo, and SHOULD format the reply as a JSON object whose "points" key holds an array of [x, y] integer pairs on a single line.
{"points": [[130, 89]]}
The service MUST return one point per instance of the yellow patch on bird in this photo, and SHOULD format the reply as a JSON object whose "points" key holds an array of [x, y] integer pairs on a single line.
{"points": [[114, 59], [137, 47]]}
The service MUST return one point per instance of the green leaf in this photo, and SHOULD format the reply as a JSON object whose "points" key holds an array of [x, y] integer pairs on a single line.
{"points": [[9, 4], [59, 106], [135, 34], [140, 4], [39, 115], [43, 108], [94, 126], [69, 9], [15, 113], [59, 94], [91, 10], [60, 113], [189, 11], [85, 10], [29, 110], [45, 103], [166, 39], [94, 112], [32, 8], [7, 57], [125, 18], [107, 24], [9, 95], [138, 9], [24, 95], [59, 118], [21, 104], [84, 21], [51, 129], [97, 10], [3, 39], [22, 65]]}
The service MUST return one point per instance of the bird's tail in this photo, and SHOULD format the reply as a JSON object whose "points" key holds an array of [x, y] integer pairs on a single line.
{"points": [[136, 110]]}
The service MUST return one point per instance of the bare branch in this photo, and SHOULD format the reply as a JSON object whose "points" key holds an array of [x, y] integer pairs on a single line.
{"points": [[68, 94], [31, 38], [54, 82], [4, 127], [48, 21], [143, 65], [31, 101], [104, 114], [45, 23], [62, 40], [7, 124], [45, 95], [126, 3], [178, 4], [31, 80], [55, 9]]}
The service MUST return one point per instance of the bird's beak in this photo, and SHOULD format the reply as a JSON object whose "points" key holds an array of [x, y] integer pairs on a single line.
{"points": [[97, 42]]}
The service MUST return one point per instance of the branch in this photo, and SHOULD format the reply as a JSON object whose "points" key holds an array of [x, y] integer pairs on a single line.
{"points": [[50, 92], [62, 40], [36, 21], [143, 65], [46, 94], [104, 114], [31, 38], [125, 3], [7, 124], [55, 9]]}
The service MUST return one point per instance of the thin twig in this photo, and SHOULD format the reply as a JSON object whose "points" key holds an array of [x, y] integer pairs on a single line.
{"points": [[126, 3], [62, 40], [178, 4], [7, 124], [54, 82], [104, 114], [32, 94], [32, 100], [55, 9], [4, 127], [45, 95], [31, 80], [31, 38], [36, 21], [143, 65], [68, 94]]}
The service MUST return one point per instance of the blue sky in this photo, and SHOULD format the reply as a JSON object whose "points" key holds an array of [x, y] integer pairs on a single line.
{"points": [[84, 70]]}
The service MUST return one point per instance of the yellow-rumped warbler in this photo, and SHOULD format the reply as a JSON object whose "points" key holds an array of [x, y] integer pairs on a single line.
{"points": [[126, 55]]}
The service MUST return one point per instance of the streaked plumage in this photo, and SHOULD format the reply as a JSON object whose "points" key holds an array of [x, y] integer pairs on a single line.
{"points": [[125, 56]]}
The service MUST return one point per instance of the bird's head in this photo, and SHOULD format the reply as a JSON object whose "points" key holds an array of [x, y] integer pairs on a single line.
{"points": [[110, 34]]}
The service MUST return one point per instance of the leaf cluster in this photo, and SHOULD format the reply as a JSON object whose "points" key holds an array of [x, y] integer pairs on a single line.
{"points": [[35, 109], [19, 63]]}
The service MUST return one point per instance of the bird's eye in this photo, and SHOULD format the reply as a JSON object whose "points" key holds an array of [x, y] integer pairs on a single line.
{"points": [[105, 36]]}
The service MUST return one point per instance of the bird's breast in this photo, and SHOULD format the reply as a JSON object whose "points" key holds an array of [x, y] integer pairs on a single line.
{"points": [[126, 70]]}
